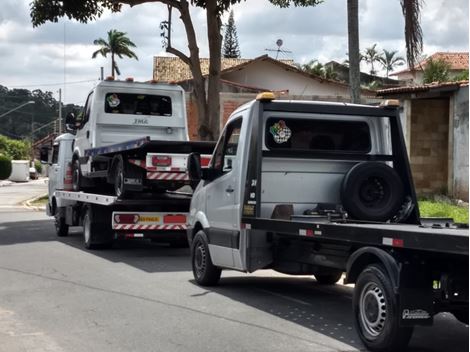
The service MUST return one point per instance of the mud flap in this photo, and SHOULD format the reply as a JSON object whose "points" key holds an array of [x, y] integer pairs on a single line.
{"points": [[415, 295]]}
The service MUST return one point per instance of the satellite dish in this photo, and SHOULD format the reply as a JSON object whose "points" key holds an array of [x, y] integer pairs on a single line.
{"points": [[279, 42]]}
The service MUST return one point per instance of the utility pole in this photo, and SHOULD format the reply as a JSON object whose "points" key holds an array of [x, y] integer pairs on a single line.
{"points": [[102, 72], [60, 111]]}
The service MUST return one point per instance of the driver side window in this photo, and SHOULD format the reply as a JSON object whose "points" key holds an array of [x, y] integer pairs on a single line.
{"points": [[84, 115], [227, 148]]}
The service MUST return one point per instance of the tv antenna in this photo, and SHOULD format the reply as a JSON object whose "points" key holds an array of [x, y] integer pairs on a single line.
{"points": [[279, 43]]}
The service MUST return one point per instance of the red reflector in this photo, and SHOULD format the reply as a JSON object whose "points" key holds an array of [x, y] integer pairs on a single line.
{"points": [[174, 219], [205, 161], [397, 242], [126, 218], [309, 232], [161, 160]]}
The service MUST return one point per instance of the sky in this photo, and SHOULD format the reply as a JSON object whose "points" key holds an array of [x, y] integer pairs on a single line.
{"points": [[58, 55]]}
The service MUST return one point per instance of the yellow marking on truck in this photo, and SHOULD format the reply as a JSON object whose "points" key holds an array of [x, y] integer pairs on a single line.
{"points": [[149, 219]]}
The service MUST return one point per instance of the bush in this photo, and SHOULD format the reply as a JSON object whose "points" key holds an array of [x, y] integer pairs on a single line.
{"points": [[5, 167], [17, 150], [38, 166]]}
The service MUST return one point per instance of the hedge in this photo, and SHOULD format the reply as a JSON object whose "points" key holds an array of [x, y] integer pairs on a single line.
{"points": [[5, 167]]}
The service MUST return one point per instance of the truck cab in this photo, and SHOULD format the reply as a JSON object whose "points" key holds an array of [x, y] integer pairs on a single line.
{"points": [[59, 170]]}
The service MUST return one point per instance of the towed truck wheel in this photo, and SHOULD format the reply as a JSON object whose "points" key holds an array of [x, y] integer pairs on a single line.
{"points": [[205, 273], [95, 234], [376, 313], [119, 185]]}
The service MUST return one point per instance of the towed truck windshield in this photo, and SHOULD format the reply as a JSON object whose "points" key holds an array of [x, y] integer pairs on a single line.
{"points": [[137, 104]]}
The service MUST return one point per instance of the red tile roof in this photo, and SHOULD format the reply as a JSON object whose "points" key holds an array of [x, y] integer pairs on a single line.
{"points": [[422, 88], [457, 60]]}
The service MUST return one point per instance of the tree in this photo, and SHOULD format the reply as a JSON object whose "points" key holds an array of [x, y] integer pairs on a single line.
{"points": [[231, 49], [413, 38], [436, 71], [371, 56], [207, 109], [314, 67], [389, 60], [117, 44]]}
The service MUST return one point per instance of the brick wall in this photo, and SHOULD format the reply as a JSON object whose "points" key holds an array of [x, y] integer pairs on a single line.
{"points": [[429, 145]]}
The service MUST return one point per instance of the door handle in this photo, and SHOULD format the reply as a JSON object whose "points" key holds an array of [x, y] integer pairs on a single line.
{"points": [[87, 134], [229, 189]]}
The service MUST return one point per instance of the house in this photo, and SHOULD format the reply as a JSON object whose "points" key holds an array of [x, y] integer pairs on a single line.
{"points": [[242, 79], [435, 122], [458, 62]]}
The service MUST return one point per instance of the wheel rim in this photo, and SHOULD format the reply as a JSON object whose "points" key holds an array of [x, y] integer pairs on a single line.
{"points": [[200, 256], [372, 309], [57, 223], [374, 192], [119, 183], [75, 177], [86, 228]]}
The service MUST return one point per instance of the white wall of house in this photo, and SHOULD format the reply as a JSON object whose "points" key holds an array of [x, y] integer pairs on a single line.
{"points": [[460, 109], [265, 74]]}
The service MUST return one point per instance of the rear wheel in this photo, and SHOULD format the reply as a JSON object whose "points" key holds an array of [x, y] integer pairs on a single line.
{"points": [[376, 314], [205, 273], [95, 234]]}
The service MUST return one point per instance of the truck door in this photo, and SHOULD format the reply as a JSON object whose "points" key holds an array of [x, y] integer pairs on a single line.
{"points": [[54, 170], [224, 232], [83, 137]]}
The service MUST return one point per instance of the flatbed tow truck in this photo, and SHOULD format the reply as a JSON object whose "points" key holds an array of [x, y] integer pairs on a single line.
{"points": [[313, 188]]}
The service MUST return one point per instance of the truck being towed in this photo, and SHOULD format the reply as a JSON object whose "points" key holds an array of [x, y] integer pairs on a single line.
{"points": [[314, 188], [116, 173]]}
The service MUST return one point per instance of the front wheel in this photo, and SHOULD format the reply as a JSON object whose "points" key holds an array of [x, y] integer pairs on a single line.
{"points": [[376, 313], [76, 175], [205, 273]]}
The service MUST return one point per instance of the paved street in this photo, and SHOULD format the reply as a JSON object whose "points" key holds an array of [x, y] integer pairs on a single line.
{"points": [[16, 193], [56, 296]]}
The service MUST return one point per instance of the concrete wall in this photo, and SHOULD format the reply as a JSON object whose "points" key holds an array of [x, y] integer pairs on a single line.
{"points": [[460, 145], [265, 74]]}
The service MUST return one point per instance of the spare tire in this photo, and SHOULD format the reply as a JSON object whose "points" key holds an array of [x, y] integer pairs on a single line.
{"points": [[372, 191]]}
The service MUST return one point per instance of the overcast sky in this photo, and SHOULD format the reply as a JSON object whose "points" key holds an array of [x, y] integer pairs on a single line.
{"points": [[54, 53]]}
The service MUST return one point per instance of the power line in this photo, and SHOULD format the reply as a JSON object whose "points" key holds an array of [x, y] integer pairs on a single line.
{"points": [[53, 84]]}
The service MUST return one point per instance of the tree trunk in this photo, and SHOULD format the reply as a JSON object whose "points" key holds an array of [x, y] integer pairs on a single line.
{"points": [[112, 65], [214, 25], [353, 49], [195, 66]]}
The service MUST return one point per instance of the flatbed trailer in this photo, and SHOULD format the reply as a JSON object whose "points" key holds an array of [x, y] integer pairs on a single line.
{"points": [[106, 218]]}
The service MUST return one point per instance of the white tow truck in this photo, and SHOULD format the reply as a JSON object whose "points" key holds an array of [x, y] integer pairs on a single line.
{"points": [[117, 173], [314, 188]]}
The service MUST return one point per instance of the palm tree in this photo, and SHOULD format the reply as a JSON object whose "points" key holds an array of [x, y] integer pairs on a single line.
{"points": [[371, 56], [389, 61], [413, 38], [117, 44], [314, 67]]}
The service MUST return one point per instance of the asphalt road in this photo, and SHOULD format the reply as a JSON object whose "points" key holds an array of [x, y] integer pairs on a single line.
{"points": [[13, 195], [57, 296]]}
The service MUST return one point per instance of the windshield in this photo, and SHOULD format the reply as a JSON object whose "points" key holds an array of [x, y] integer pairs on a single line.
{"points": [[137, 104]]}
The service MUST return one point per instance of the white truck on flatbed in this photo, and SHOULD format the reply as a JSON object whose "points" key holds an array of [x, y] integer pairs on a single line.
{"points": [[314, 188], [117, 172]]}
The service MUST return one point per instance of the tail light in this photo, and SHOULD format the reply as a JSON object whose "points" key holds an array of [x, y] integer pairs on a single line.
{"points": [[174, 219], [161, 160], [205, 160], [126, 218]]}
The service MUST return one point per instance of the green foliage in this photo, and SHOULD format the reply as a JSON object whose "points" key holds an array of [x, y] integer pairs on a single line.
{"points": [[5, 167], [231, 48], [462, 76], [371, 56], [432, 208], [38, 166], [315, 67], [389, 60], [436, 71], [14, 149]]}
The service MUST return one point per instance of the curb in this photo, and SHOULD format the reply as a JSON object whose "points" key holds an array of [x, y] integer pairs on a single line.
{"points": [[27, 203]]}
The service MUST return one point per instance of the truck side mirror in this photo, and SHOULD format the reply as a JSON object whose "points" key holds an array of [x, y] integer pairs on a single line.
{"points": [[44, 155], [194, 169], [70, 122]]}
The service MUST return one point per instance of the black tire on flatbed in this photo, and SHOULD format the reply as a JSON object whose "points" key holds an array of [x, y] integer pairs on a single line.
{"points": [[376, 314]]}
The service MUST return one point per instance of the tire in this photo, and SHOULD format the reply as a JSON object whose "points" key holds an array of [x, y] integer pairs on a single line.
{"points": [[119, 186], [372, 191], [376, 315], [61, 228], [328, 279], [95, 234], [76, 175], [205, 273]]}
